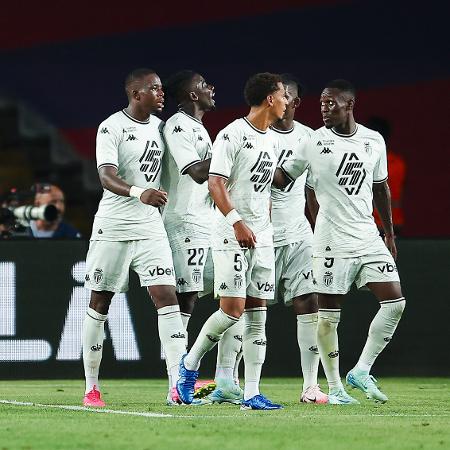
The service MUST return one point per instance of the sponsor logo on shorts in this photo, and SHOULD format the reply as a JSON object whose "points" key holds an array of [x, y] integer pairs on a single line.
{"points": [[334, 354], [213, 338], [388, 268], [161, 271], [178, 335], [328, 278], [181, 282], [223, 286], [266, 287], [96, 347], [260, 342], [238, 281], [314, 349], [238, 337], [196, 275], [98, 275]]}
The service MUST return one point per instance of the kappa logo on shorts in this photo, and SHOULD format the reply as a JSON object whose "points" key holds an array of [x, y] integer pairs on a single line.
{"points": [[96, 347], [388, 268], [160, 271], [314, 349], [260, 342], [238, 281], [328, 278], [238, 337], [181, 282], [223, 286], [98, 275], [334, 354], [178, 335], [213, 338], [196, 276], [266, 287]]}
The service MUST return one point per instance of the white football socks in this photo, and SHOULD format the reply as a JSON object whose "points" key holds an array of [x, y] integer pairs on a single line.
{"points": [[93, 336], [381, 331], [209, 336], [327, 341], [309, 353], [173, 337], [254, 348], [227, 351]]}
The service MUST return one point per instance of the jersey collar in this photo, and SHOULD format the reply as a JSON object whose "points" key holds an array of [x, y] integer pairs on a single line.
{"points": [[135, 120], [345, 135], [251, 125]]}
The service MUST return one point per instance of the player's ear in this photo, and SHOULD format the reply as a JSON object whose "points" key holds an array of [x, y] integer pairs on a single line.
{"points": [[297, 102], [269, 100], [351, 104], [193, 96], [135, 94]]}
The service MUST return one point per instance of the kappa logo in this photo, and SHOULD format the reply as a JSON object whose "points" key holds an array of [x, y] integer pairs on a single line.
{"points": [[248, 145], [334, 354], [225, 137], [98, 275], [181, 282], [161, 271], [388, 268], [213, 338], [196, 276], [266, 287], [314, 349], [200, 138], [238, 281], [104, 131], [328, 278], [177, 129], [260, 342], [238, 337], [326, 151], [96, 347], [387, 339], [131, 137], [223, 286], [178, 335]]}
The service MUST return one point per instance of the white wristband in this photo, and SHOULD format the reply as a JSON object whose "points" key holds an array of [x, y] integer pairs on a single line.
{"points": [[232, 217], [136, 192]]}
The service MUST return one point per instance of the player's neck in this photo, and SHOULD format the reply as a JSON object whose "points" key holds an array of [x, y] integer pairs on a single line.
{"points": [[192, 110], [283, 124], [259, 118], [348, 127], [136, 113]]}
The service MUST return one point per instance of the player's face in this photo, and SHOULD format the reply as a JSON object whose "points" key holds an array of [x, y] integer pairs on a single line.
{"points": [[204, 92], [280, 102], [334, 106], [293, 101], [151, 94]]}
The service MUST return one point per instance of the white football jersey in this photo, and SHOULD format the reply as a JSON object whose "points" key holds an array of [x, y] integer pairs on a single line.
{"points": [[342, 171], [245, 157], [189, 205], [136, 149], [288, 205]]}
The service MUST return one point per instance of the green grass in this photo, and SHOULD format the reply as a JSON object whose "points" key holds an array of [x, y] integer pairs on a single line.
{"points": [[416, 417]]}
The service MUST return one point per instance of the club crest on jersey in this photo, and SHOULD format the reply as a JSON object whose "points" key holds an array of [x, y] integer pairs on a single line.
{"points": [[262, 172], [328, 278], [196, 275], [368, 148]]}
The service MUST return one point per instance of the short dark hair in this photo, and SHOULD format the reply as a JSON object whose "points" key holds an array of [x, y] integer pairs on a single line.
{"points": [[259, 86], [289, 78], [177, 84], [137, 74], [342, 85]]}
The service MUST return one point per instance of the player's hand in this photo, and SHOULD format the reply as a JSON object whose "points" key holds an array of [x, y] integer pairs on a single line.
{"points": [[244, 235], [389, 240], [154, 197]]}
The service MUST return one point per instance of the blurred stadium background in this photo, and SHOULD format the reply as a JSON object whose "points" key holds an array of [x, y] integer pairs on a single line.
{"points": [[62, 73]]}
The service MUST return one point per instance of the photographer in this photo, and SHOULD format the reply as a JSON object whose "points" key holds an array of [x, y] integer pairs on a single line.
{"points": [[50, 194]]}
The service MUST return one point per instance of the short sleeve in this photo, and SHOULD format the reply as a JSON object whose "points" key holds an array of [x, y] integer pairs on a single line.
{"points": [[224, 152], [310, 179], [380, 172], [298, 163], [107, 145], [180, 143]]}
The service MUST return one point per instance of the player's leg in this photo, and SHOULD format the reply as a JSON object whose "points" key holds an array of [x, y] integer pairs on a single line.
{"points": [[107, 266], [384, 324]]}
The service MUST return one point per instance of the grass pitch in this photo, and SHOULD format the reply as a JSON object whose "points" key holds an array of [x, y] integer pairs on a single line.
{"points": [[416, 417]]}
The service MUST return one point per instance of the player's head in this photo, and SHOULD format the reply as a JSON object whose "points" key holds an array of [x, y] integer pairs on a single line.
{"points": [[144, 89], [49, 194], [294, 92], [187, 86], [336, 102], [266, 89]]}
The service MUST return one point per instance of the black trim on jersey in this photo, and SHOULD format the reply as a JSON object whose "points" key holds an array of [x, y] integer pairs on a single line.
{"points": [[381, 181], [397, 300], [218, 175], [282, 131], [95, 318], [186, 167], [190, 117], [284, 171], [107, 164], [309, 186], [256, 129], [145, 122], [345, 135]]}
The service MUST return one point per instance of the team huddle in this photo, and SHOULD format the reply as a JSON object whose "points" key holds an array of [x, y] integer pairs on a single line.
{"points": [[180, 211]]}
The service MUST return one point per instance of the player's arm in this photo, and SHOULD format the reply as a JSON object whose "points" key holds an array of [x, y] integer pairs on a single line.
{"points": [[382, 201], [244, 235], [281, 179], [199, 171], [111, 181], [313, 205]]}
